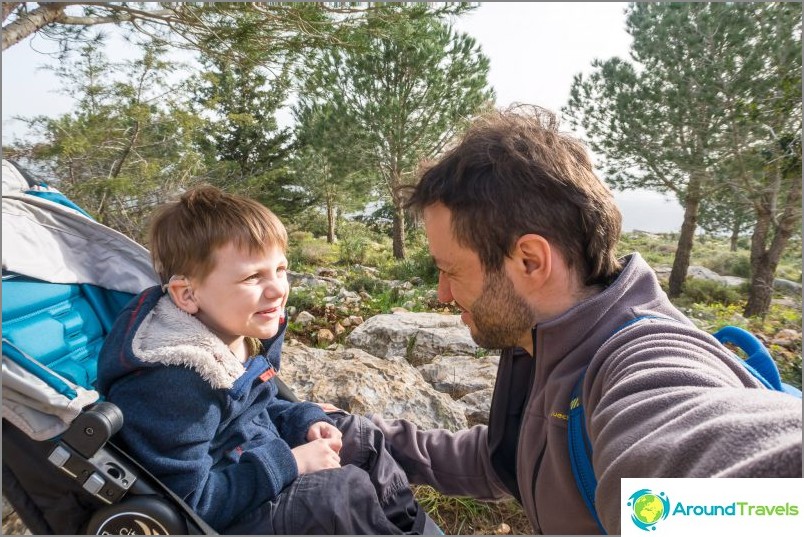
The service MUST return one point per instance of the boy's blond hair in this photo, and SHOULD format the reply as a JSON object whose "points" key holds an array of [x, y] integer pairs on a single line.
{"points": [[184, 235]]}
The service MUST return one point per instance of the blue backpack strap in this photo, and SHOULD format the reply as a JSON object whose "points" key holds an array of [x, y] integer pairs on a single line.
{"points": [[580, 447], [581, 452], [759, 362]]}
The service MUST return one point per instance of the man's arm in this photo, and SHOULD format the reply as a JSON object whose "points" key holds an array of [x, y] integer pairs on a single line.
{"points": [[672, 403], [456, 464]]}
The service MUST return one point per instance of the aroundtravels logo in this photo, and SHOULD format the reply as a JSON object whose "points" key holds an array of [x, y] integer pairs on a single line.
{"points": [[746, 506], [648, 508]]}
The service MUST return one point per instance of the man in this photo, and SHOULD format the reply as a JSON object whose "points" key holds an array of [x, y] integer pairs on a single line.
{"points": [[524, 234]]}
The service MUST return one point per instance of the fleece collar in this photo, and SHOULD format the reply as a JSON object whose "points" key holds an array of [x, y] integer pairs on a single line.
{"points": [[171, 336]]}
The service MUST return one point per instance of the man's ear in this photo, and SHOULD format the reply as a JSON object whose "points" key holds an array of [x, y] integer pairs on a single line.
{"points": [[182, 295], [533, 257]]}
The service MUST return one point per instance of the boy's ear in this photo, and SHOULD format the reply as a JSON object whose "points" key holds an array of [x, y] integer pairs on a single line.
{"points": [[182, 295]]}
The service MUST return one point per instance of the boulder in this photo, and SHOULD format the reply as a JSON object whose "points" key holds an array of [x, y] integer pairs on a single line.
{"points": [[357, 382], [419, 337], [460, 375]]}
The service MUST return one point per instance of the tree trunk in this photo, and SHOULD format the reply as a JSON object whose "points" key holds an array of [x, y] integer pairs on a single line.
{"points": [[765, 261], [735, 235], [331, 238], [399, 231], [45, 14], [681, 262]]}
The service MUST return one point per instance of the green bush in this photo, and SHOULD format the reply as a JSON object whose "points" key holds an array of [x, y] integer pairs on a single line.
{"points": [[307, 298], [365, 282], [706, 291], [352, 249], [730, 263]]}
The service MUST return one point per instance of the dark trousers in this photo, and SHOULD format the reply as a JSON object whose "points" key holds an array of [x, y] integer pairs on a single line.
{"points": [[368, 495]]}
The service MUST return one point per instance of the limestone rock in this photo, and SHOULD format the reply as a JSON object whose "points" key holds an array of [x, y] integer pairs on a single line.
{"points": [[460, 375], [417, 336], [360, 383]]}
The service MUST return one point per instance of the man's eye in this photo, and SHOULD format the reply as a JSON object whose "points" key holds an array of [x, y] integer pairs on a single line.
{"points": [[253, 277]]}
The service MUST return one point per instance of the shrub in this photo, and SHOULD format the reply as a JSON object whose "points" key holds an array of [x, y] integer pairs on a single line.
{"points": [[352, 249], [365, 282], [706, 291], [730, 263]]}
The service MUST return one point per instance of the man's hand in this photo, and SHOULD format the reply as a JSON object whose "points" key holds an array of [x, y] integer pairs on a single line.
{"points": [[325, 431]]}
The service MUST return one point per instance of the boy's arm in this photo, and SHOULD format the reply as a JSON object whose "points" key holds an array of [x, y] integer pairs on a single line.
{"points": [[293, 419], [171, 419]]}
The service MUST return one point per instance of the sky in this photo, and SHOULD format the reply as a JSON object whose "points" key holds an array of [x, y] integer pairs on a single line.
{"points": [[535, 49]]}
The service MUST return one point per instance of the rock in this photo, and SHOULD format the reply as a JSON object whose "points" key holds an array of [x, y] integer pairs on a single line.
{"points": [[305, 280], [339, 329], [460, 375], [324, 336], [476, 406], [355, 320], [397, 309], [787, 287], [502, 529], [304, 318], [787, 338], [326, 272], [419, 337], [360, 383]]}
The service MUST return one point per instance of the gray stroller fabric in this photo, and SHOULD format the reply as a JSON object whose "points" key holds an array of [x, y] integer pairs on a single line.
{"points": [[54, 243]]}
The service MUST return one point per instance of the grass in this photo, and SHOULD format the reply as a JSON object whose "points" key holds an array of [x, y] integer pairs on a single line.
{"points": [[465, 516]]}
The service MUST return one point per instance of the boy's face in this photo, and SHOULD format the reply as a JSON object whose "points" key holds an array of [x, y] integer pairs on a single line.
{"points": [[244, 295]]}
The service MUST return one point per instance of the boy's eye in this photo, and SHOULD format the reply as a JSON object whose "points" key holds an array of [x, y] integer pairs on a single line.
{"points": [[253, 277]]}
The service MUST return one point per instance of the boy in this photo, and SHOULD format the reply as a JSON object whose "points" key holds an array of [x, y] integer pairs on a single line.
{"points": [[191, 366]]}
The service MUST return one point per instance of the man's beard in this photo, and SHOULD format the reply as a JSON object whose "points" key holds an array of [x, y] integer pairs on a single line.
{"points": [[500, 316]]}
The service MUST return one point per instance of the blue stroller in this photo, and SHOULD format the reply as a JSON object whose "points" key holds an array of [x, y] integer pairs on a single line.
{"points": [[65, 278]]}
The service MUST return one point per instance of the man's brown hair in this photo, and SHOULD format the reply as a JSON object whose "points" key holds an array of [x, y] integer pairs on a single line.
{"points": [[513, 173], [184, 235]]}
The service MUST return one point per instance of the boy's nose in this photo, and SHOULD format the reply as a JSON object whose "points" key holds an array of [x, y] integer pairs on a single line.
{"points": [[444, 292], [274, 288]]}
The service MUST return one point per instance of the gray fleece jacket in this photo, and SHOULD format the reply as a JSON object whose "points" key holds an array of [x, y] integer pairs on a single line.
{"points": [[662, 399]]}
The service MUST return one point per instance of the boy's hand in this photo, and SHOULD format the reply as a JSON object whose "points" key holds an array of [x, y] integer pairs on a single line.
{"points": [[314, 456], [325, 431]]}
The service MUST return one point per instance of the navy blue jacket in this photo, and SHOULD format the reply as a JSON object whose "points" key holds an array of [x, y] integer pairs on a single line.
{"points": [[224, 446]]}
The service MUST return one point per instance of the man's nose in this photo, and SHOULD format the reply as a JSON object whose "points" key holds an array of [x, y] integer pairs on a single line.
{"points": [[444, 292]]}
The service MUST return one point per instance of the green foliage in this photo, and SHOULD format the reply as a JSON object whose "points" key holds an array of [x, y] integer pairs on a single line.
{"points": [[730, 264], [699, 290], [419, 263], [307, 299], [386, 102], [245, 149], [127, 146], [352, 249], [465, 516], [306, 253]]}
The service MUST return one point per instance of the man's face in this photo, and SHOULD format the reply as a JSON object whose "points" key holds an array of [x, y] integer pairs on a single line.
{"points": [[496, 314], [244, 295]]}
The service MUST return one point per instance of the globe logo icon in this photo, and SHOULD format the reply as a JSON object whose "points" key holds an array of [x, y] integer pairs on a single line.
{"points": [[648, 508]]}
